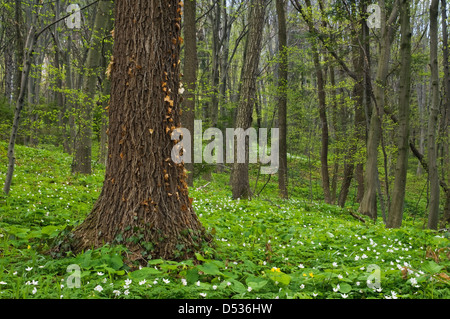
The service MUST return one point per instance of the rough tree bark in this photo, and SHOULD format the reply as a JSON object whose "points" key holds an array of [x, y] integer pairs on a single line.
{"points": [[398, 194], [144, 203]]}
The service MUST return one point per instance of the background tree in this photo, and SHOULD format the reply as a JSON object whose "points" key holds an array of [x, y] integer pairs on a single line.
{"points": [[446, 112], [308, 14], [398, 193], [361, 83], [433, 209], [282, 98], [247, 94], [368, 204], [190, 75], [83, 142]]}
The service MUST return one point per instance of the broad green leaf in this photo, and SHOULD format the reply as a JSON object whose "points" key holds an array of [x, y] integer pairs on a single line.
{"points": [[155, 261], [256, 283], [237, 286], [209, 269], [432, 267], [192, 275], [116, 262], [49, 230], [144, 273], [199, 257], [345, 288], [279, 277]]}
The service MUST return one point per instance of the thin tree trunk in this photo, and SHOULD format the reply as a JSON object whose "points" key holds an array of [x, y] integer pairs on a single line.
{"points": [[20, 53], [190, 77], [225, 64], [30, 43], [32, 38], [433, 175], [83, 144], [107, 47], [446, 112], [308, 17], [334, 129], [358, 93], [69, 122], [9, 73], [247, 94], [282, 99], [398, 194], [60, 101], [33, 92], [421, 104], [368, 205], [215, 79]]}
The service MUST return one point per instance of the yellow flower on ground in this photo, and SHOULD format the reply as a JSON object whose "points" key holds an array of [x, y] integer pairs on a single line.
{"points": [[275, 269]]}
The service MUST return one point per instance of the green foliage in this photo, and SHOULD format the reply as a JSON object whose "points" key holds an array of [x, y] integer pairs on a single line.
{"points": [[6, 117], [274, 248]]}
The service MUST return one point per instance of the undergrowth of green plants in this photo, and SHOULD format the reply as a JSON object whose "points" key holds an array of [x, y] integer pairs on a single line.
{"points": [[266, 247]]}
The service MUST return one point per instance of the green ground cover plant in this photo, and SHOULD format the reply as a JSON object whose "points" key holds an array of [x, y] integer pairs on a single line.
{"points": [[263, 248]]}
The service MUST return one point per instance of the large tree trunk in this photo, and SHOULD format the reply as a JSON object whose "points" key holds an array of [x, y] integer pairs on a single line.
{"points": [[144, 203], [83, 144], [398, 194], [247, 94], [433, 176], [282, 98], [190, 77]]}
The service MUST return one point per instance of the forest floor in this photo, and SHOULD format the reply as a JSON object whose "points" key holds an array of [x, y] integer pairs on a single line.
{"points": [[263, 248]]}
